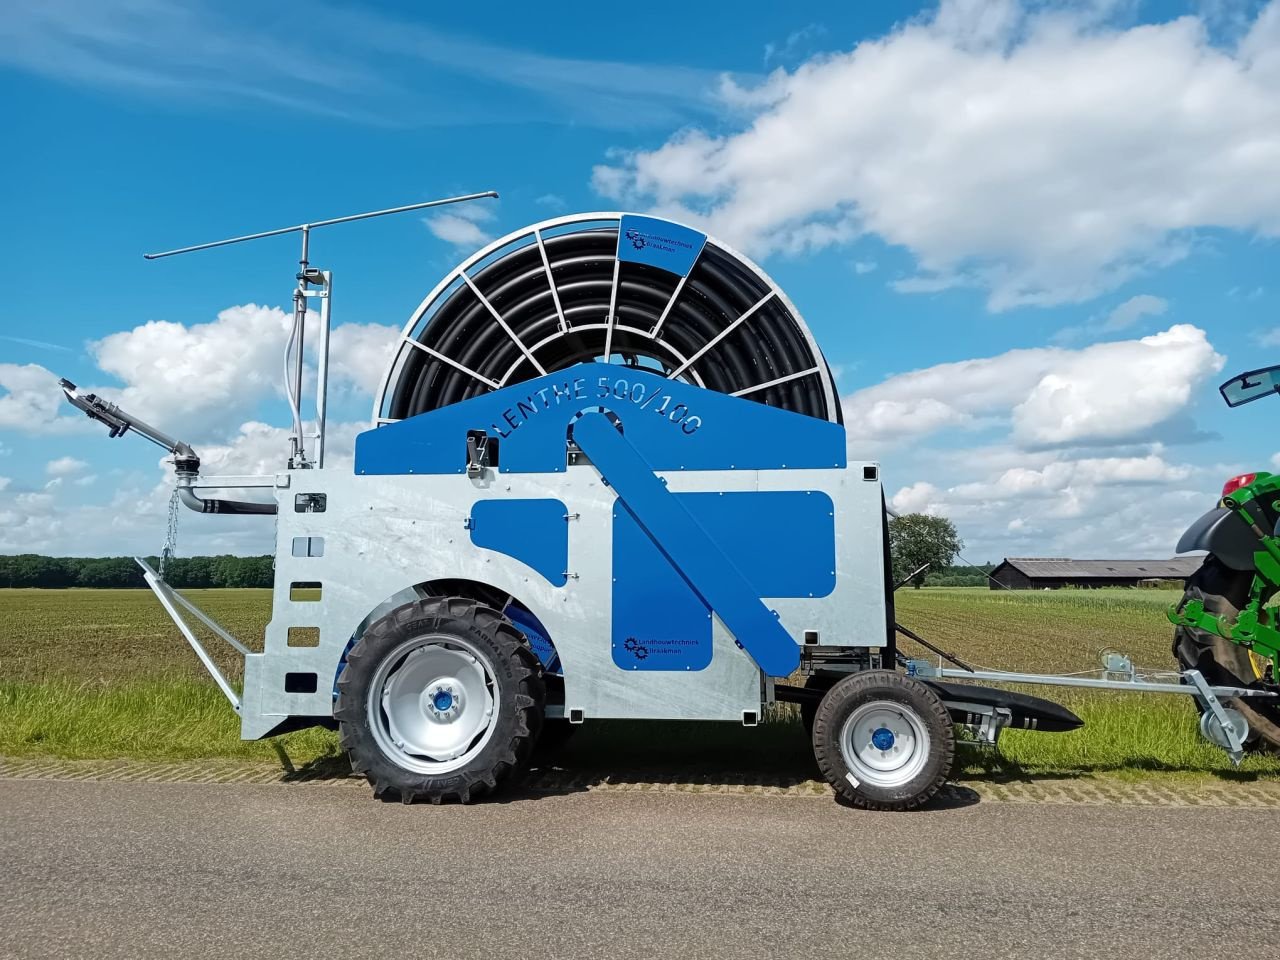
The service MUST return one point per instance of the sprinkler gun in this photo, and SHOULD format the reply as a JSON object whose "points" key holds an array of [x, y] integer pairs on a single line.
{"points": [[186, 463]]}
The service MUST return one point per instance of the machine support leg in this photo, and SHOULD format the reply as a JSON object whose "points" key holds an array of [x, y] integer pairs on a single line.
{"points": [[1225, 720]]}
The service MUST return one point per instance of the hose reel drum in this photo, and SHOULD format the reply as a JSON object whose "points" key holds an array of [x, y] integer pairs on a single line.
{"points": [[609, 287]]}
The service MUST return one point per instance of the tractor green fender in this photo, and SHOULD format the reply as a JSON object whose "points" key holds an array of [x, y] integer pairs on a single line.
{"points": [[1222, 533]]}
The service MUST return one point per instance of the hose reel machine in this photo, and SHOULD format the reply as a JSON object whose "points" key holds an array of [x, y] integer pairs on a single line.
{"points": [[606, 478], [615, 289]]}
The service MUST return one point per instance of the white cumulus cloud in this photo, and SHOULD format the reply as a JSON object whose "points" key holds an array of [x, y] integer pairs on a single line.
{"points": [[201, 377], [64, 467], [919, 497], [31, 400], [462, 226], [198, 375], [457, 230], [1115, 391], [359, 354], [1041, 154], [1103, 393]]}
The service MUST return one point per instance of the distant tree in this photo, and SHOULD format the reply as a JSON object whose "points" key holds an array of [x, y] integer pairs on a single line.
{"points": [[916, 539], [108, 572], [33, 570], [958, 576], [190, 573], [259, 571], [229, 571]]}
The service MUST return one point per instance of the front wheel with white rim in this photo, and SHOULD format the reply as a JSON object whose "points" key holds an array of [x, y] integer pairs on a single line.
{"points": [[441, 699], [883, 740]]}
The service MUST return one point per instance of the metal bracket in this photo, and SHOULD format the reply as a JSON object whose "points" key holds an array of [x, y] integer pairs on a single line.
{"points": [[477, 453], [988, 722], [1222, 725], [279, 480]]}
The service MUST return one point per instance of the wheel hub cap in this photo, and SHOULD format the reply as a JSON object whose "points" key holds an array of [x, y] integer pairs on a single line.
{"points": [[882, 739], [444, 699]]}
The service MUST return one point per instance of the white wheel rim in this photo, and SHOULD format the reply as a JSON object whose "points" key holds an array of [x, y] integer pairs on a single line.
{"points": [[432, 705], [884, 744]]}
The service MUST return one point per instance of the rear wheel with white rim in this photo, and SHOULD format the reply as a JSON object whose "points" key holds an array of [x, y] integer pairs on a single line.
{"points": [[441, 699], [883, 740]]}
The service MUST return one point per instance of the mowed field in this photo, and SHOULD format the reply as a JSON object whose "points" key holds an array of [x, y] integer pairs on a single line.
{"points": [[103, 673]]}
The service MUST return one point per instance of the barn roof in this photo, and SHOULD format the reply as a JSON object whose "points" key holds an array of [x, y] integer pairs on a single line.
{"points": [[1175, 568]]}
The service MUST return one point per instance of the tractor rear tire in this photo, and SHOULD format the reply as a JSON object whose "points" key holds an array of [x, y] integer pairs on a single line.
{"points": [[1224, 591], [883, 740], [442, 699]]}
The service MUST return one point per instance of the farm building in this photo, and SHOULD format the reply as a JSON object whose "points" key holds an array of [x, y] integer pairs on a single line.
{"points": [[1050, 573]]}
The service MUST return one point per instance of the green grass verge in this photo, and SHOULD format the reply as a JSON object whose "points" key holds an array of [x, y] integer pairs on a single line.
{"points": [[88, 674], [158, 718]]}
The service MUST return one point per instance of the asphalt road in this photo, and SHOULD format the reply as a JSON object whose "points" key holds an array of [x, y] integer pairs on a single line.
{"points": [[182, 870]]}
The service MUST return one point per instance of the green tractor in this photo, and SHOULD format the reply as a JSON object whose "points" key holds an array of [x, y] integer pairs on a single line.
{"points": [[1224, 626]]}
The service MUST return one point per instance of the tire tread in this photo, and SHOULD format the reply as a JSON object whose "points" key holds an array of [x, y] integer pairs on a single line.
{"points": [[835, 708], [503, 763]]}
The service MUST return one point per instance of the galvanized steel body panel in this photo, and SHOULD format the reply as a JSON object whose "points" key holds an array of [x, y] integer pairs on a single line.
{"points": [[385, 533]]}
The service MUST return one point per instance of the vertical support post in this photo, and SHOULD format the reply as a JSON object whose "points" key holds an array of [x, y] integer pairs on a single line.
{"points": [[322, 366], [297, 443], [613, 306]]}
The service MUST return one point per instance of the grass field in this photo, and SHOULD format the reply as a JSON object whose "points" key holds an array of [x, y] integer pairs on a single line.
{"points": [[103, 673]]}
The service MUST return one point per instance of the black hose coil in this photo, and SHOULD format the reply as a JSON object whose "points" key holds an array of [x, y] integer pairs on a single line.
{"points": [[770, 344]]}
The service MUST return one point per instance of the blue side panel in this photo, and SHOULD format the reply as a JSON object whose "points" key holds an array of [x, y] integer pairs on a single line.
{"points": [[532, 531], [699, 559], [659, 243], [659, 621], [783, 542], [673, 425]]}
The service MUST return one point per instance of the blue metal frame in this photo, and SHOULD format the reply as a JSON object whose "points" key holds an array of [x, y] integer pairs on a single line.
{"points": [[675, 426], [691, 550], [783, 541], [677, 558]]}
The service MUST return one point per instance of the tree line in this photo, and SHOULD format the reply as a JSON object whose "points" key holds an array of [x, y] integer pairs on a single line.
{"points": [[960, 576], [915, 540], [34, 570]]}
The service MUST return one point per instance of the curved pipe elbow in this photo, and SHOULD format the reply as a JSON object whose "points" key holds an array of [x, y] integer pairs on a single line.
{"points": [[201, 505]]}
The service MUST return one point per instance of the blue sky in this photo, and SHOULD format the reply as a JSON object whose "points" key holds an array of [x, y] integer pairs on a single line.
{"points": [[1030, 238]]}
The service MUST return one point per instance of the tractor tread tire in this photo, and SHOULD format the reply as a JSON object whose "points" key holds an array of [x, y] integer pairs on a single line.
{"points": [[519, 689], [858, 688], [1224, 591]]}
